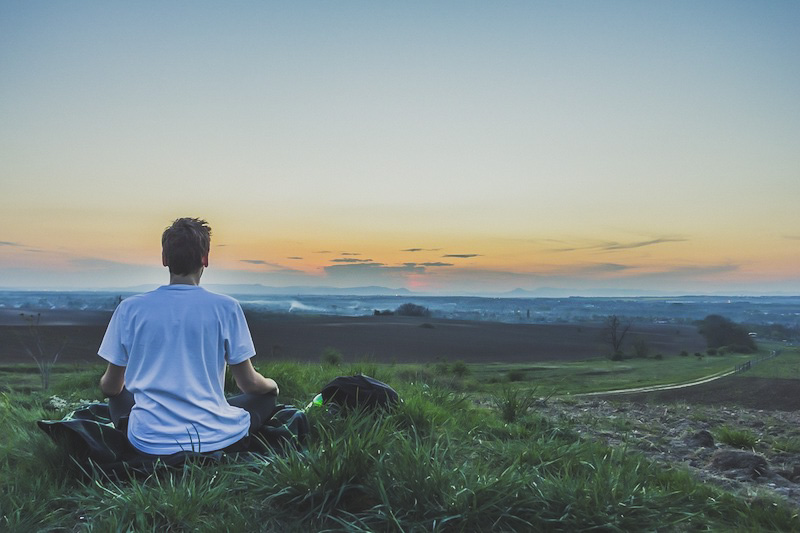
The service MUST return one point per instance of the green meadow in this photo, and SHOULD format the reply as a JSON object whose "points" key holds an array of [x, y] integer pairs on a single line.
{"points": [[465, 451]]}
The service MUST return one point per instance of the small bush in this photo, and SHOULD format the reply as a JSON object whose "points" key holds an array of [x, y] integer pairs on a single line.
{"points": [[658, 357], [514, 403], [516, 375], [738, 438], [331, 356], [460, 369], [684, 353], [711, 351], [409, 309], [641, 348], [787, 444], [740, 348]]}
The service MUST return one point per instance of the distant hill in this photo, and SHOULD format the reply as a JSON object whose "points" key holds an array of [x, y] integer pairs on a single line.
{"points": [[258, 289]]}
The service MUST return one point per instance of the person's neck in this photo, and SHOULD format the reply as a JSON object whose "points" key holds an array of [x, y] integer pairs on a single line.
{"points": [[192, 278]]}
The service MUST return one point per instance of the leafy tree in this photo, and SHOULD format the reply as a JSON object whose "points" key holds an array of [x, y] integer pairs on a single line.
{"points": [[719, 331]]}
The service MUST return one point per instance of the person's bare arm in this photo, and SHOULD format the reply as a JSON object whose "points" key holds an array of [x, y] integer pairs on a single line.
{"points": [[250, 381], [113, 380]]}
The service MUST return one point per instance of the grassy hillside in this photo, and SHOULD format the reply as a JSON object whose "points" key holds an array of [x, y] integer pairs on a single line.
{"points": [[443, 461]]}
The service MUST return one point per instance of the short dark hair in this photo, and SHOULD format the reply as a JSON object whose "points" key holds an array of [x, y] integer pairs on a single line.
{"points": [[184, 244]]}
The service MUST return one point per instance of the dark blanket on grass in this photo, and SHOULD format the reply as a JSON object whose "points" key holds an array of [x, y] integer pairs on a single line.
{"points": [[90, 438]]}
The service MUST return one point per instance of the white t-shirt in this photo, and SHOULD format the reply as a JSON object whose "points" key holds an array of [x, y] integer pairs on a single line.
{"points": [[174, 342]]}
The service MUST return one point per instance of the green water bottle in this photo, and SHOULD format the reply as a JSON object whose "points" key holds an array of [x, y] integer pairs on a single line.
{"points": [[316, 402]]}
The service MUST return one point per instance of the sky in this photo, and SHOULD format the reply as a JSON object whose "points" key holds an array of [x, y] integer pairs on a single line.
{"points": [[442, 147]]}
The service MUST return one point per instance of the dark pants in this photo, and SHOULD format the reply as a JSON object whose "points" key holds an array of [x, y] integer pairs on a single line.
{"points": [[260, 407]]}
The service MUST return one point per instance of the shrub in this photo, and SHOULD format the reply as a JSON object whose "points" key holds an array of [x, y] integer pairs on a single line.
{"points": [[516, 375], [409, 309], [460, 369], [684, 353], [711, 351], [740, 348], [658, 357], [331, 356], [442, 367], [641, 348], [514, 403]]}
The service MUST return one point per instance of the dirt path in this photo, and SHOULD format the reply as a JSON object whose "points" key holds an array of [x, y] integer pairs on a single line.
{"points": [[654, 388]]}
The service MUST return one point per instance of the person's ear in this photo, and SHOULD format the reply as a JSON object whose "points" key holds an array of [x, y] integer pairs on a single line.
{"points": [[204, 259], [164, 261]]}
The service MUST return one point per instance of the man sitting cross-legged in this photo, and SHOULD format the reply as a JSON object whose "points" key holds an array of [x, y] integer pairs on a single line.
{"points": [[167, 351]]}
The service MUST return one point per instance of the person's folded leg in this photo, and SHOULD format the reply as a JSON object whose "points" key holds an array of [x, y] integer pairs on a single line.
{"points": [[260, 407]]}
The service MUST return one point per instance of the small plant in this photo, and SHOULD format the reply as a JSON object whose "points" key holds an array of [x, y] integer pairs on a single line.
{"points": [[658, 357], [441, 368], [331, 356], [641, 348], [460, 369], [738, 438], [787, 445], [516, 375], [35, 346], [711, 351], [684, 353], [513, 403]]}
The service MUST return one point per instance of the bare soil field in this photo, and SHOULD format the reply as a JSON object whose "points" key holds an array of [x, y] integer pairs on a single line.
{"points": [[377, 338]]}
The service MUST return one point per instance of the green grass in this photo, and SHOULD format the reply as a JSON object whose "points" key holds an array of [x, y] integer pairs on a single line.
{"points": [[600, 374], [439, 462], [786, 365], [738, 438]]}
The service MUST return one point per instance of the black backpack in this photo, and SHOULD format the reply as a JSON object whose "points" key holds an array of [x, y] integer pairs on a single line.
{"points": [[359, 391]]}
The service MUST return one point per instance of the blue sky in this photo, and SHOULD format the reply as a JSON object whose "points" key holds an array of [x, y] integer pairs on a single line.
{"points": [[626, 145]]}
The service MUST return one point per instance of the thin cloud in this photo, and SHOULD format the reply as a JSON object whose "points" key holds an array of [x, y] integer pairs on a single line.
{"points": [[350, 260], [323, 252], [610, 246], [7, 243], [421, 250], [462, 256], [365, 267], [692, 271], [429, 264], [350, 253], [294, 257], [602, 268], [639, 244], [275, 266]]}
